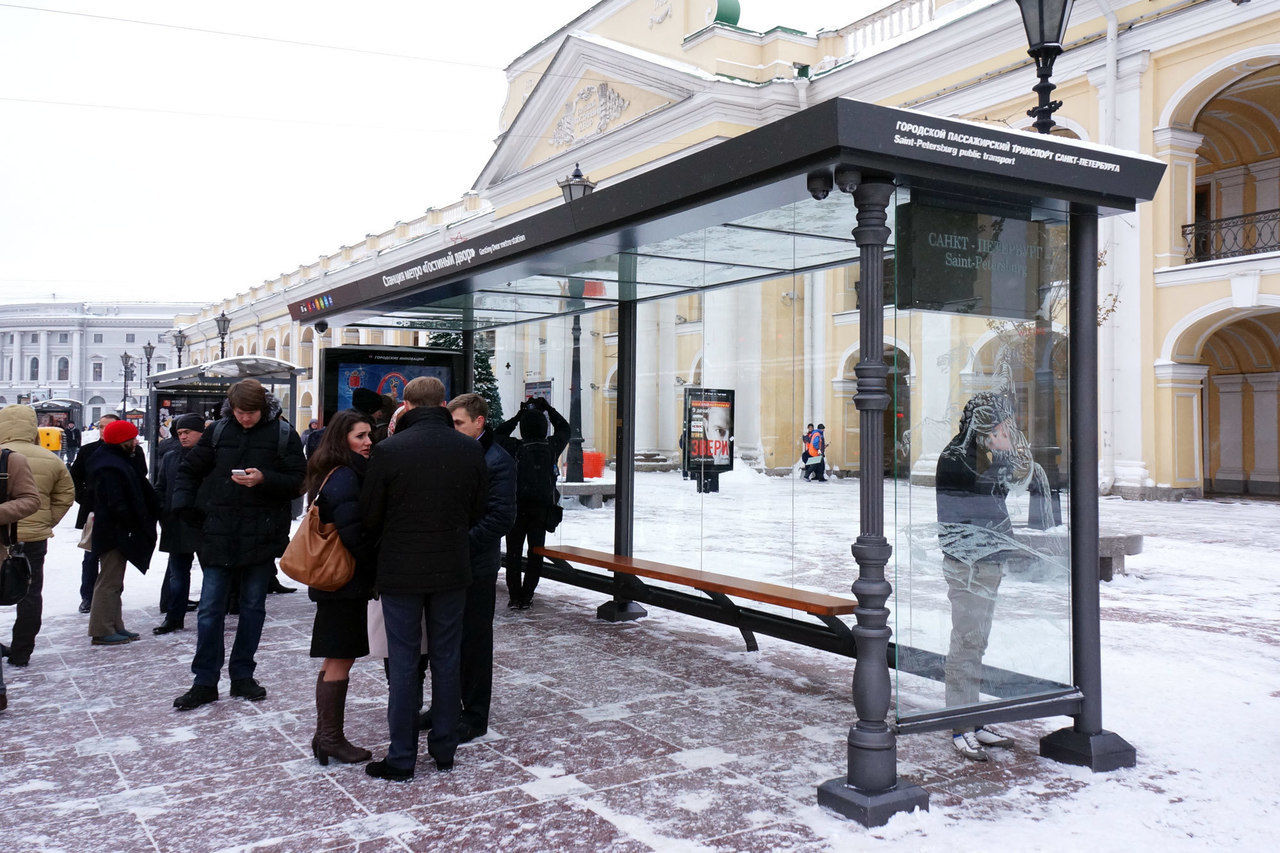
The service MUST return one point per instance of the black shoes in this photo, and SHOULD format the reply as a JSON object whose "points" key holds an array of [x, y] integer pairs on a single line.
{"points": [[166, 628], [84, 606], [248, 688], [7, 652], [383, 770], [468, 732], [444, 766], [192, 606], [277, 588], [198, 695]]}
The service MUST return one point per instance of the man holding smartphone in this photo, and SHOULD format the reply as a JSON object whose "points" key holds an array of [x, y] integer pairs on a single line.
{"points": [[237, 483]]}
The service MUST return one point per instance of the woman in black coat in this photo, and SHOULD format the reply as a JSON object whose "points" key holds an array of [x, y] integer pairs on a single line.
{"points": [[335, 473]]}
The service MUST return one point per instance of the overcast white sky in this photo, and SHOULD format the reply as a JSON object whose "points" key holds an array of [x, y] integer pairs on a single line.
{"points": [[149, 162]]}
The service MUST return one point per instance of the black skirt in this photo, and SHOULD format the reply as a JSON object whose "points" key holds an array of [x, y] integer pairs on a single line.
{"points": [[341, 629]]}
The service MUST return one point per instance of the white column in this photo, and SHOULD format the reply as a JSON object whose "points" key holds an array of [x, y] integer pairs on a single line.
{"points": [[1230, 475], [823, 366], [748, 362], [19, 373], [45, 374], [931, 427], [670, 397], [77, 353], [1122, 461], [1264, 477], [647, 343]]}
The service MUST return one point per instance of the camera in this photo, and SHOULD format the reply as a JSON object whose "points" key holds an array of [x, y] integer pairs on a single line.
{"points": [[819, 184], [322, 326]]}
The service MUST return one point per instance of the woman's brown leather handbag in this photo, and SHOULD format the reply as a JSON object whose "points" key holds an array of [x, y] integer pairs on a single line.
{"points": [[316, 556]]}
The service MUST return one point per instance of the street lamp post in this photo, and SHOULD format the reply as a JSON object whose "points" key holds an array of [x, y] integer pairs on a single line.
{"points": [[574, 187], [1046, 24], [224, 325], [126, 363], [179, 342]]}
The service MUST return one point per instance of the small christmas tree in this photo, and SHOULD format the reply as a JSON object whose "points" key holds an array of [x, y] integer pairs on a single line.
{"points": [[485, 384]]}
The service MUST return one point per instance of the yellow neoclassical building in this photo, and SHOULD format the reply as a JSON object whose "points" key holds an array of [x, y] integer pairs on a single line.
{"points": [[1190, 307]]}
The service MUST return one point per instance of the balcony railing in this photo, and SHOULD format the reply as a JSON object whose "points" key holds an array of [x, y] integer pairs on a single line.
{"points": [[1249, 234]]}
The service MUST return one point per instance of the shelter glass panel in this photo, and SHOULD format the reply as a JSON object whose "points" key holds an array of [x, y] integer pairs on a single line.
{"points": [[978, 372]]}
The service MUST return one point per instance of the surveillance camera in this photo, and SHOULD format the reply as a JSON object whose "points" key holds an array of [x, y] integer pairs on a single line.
{"points": [[847, 178], [322, 326], [819, 184]]}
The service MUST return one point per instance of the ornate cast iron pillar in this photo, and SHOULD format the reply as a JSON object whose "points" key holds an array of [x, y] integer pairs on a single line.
{"points": [[870, 792]]}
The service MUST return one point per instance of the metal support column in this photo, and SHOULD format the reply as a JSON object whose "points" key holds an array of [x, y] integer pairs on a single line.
{"points": [[870, 792], [573, 462], [621, 608], [1086, 743], [468, 360]]}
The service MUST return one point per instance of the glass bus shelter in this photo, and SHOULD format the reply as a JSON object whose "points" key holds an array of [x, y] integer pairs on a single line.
{"points": [[926, 290]]}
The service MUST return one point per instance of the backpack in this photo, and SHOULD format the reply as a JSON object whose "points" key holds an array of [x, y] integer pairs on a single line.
{"points": [[535, 474], [816, 443]]}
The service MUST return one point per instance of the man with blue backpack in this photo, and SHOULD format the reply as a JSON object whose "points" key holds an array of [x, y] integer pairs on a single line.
{"points": [[815, 464]]}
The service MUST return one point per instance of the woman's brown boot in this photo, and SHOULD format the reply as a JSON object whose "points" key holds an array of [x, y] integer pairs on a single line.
{"points": [[329, 741]]}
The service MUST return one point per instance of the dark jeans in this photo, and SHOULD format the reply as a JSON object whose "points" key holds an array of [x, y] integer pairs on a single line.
{"points": [[210, 648], [88, 576], [402, 615], [176, 588], [477, 652], [26, 622], [536, 534]]}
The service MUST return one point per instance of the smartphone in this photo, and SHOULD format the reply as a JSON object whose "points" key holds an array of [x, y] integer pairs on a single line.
{"points": [[242, 472]]}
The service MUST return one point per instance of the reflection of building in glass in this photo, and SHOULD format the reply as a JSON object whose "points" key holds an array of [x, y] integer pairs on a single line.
{"points": [[1191, 284]]}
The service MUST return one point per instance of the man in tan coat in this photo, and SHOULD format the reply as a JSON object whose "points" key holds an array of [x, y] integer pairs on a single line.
{"points": [[20, 500], [57, 493]]}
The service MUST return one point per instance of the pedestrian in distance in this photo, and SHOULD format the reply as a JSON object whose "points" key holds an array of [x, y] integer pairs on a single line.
{"points": [[19, 497], [178, 536], [70, 441], [424, 492], [335, 474], [804, 451], [816, 464], [238, 483], [470, 413], [125, 512], [18, 432], [537, 503]]}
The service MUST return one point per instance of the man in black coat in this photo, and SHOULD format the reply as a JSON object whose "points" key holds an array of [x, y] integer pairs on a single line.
{"points": [[424, 492], [70, 441], [84, 497], [238, 481], [470, 412], [178, 536], [125, 511]]}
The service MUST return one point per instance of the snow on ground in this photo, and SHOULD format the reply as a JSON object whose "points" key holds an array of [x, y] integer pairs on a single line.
{"points": [[664, 734]]}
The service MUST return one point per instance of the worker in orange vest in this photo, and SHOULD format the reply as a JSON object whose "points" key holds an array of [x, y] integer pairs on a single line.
{"points": [[816, 448]]}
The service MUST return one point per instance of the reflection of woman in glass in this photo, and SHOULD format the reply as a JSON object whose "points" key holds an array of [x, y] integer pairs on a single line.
{"points": [[988, 457]]}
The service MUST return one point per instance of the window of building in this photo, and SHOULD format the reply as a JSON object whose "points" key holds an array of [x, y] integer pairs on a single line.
{"points": [[35, 337], [35, 370], [161, 366], [97, 371], [128, 339], [97, 339], [64, 337], [64, 369]]}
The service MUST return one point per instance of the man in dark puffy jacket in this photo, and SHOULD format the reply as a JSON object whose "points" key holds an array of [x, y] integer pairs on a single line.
{"points": [[178, 536], [424, 492], [470, 412], [239, 481]]}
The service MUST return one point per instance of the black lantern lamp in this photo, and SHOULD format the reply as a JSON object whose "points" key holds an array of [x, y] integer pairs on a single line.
{"points": [[1046, 24], [126, 364], [576, 185], [179, 343], [148, 350], [224, 325]]}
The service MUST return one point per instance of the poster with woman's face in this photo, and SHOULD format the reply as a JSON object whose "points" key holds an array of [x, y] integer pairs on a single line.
{"points": [[709, 419]]}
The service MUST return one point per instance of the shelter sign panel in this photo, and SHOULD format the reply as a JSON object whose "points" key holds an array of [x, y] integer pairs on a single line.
{"points": [[708, 438]]}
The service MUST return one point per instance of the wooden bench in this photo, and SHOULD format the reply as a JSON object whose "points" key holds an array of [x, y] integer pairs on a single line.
{"points": [[719, 588]]}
